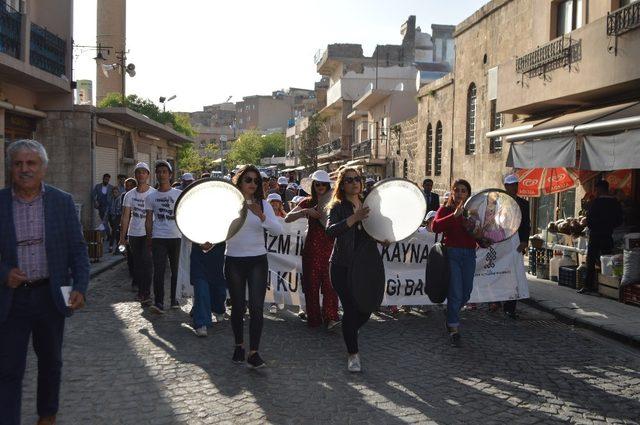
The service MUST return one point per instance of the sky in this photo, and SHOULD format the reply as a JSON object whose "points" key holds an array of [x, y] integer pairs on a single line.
{"points": [[204, 51]]}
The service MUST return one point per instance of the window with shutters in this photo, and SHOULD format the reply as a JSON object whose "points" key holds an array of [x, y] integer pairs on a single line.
{"points": [[438, 160], [429, 149], [495, 143], [470, 145]]}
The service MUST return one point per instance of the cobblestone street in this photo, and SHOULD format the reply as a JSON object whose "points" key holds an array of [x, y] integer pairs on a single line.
{"points": [[124, 367]]}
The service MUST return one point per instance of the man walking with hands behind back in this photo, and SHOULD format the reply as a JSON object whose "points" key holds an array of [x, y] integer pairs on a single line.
{"points": [[41, 250]]}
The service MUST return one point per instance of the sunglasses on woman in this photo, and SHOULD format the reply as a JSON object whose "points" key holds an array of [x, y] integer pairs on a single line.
{"points": [[320, 184], [249, 179], [356, 179]]}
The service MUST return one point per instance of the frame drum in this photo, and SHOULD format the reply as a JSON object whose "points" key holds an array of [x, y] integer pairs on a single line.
{"points": [[210, 210], [397, 208], [495, 215]]}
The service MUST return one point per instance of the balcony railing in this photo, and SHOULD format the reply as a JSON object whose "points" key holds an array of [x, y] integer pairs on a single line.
{"points": [[560, 52], [623, 20], [47, 51], [329, 148], [10, 25], [362, 149]]}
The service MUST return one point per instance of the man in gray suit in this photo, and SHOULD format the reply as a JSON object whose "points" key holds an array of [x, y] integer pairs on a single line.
{"points": [[44, 274]]}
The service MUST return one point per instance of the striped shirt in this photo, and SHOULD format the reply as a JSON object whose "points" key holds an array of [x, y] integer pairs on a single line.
{"points": [[28, 219]]}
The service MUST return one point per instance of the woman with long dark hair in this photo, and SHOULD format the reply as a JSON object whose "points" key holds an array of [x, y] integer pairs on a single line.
{"points": [[461, 253], [346, 211], [246, 264], [316, 253]]}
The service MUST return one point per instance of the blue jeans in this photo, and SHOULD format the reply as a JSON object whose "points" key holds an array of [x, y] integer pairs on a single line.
{"points": [[462, 265], [209, 285]]}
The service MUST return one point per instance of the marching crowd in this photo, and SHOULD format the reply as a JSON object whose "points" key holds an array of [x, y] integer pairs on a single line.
{"points": [[42, 250]]}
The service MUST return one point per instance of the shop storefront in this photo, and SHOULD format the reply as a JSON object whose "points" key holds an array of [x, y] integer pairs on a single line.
{"points": [[559, 159]]}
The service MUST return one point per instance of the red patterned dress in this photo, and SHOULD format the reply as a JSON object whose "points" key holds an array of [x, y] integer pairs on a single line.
{"points": [[315, 273]]}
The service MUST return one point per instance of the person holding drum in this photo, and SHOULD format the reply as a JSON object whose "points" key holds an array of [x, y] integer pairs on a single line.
{"points": [[246, 264], [346, 211], [461, 254], [316, 253]]}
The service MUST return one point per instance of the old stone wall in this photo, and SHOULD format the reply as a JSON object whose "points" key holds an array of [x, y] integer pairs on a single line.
{"points": [[403, 150]]}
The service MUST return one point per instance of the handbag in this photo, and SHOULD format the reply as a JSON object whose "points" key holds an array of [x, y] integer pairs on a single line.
{"points": [[438, 273]]}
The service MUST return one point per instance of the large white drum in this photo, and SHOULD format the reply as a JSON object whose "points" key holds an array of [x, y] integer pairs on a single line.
{"points": [[397, 208], [495, 215], [210, 210]]}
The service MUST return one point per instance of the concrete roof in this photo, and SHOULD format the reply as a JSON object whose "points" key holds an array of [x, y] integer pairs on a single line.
{"points": [[139, 121]]}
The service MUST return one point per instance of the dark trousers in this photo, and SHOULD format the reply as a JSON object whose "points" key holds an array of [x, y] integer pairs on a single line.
{"points": [[130, 265], [114, 236], [33, 314], [241, 272], [598, 245], [142, 265], [161, 249], [352, 319]]}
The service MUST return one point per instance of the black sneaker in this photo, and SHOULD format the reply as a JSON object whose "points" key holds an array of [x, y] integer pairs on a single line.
{"points": [[255, 361], [454, 339], [238, 355], [146, 302], [302, 316], [175, 305], [511, 315], [157, 308]]}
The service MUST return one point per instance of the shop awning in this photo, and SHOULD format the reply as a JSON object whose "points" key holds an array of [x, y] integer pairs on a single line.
{"points": [[552, 142], [618, 148], [300, 168]]}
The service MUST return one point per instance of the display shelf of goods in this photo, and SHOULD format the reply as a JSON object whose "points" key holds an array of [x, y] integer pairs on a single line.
{"points": [[630, 294]]}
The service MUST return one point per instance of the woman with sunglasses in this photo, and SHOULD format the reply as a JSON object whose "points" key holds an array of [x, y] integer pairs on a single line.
{"points": [[246, 264], [316, 253], [461, 253], [346, 212]]}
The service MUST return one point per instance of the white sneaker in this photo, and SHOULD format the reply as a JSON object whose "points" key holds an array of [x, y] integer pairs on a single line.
{"points": [[353, 364], [332, 324], [202, 331], [219, 317], [273, 309]]}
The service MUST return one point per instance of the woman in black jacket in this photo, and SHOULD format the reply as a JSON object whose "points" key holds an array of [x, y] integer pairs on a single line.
{"points": [[346, 211]]}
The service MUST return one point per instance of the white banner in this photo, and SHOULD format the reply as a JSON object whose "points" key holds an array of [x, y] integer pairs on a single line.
{"points": [[500, 273]]}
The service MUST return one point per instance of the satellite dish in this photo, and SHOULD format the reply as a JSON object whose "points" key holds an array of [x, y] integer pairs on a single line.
{"points": [[131, 67]]}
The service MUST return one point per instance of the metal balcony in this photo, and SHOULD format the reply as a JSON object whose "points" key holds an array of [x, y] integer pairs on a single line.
{"points": [[329, 149], [558, 53], [47, 51], [10, 26], [623, 20], [362, 149]]}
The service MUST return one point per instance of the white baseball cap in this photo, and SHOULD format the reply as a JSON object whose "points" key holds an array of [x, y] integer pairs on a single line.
{"points": [[430, 215], [187, 177], [297, 199], [263, 175], [320, 176], [511, 179], [282, 181], [165, 163], [274, 197], [142, 166]]}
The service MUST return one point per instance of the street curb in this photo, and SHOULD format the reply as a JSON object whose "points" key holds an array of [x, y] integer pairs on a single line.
{"points": [[572, 320], [104, 267]]}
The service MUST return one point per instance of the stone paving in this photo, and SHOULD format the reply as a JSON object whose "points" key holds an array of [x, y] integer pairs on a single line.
{"points": [[125, 366]]}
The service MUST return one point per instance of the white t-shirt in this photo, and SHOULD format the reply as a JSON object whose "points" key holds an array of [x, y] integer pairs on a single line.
{"points": [[164, 217], [249, 241], [135, 200]]}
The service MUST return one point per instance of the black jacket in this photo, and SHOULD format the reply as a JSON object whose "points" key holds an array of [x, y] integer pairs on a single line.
{"points": [[604, 215], [433, 201], [345, 236], [525, 225]]}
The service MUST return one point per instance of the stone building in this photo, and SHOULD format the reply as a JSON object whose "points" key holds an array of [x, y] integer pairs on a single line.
{"points": [[35, 66], [569, 63], [391, 75]]}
